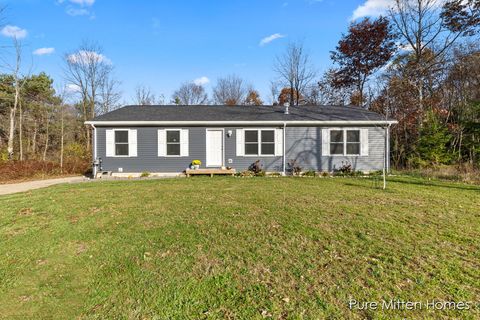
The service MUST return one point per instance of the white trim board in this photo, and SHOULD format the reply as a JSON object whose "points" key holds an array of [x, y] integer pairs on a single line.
{"points": [[233, 123]]}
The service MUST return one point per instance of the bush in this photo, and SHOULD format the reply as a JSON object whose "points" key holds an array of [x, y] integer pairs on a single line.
{"points": [[344, 170], [75, 150], [23, 170], [145, 174], [294, 168], [256, 169], [310, 173], [245, 174]]}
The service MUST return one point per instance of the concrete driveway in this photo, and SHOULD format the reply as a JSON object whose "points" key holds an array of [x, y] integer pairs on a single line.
{"points": [[31, 185]]}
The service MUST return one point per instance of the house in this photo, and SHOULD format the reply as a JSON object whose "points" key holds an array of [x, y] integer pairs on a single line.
{"points": [[166, 139]]}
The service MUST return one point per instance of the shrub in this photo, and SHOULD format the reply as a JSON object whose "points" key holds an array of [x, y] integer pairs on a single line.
{"points": [[75, 150], [344, 170], [28, 169], [325, 174], [310, 173], [294, 168], [260, 173], [246, 173], [256, 169], [145, 174]]}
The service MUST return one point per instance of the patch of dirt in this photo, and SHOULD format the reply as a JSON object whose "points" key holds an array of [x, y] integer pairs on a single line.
{"points": [[26, 212], [81, 248]]}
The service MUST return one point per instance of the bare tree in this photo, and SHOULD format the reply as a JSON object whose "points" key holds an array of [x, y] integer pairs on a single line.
{"points": [[429, 31], [230, 91], [87, 70], [274, 92], [190, 93], [17, 84], [110, 95], [295, 71], [144, 96]]}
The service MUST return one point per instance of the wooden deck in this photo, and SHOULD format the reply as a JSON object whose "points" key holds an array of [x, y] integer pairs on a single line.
{"points": [[210, 172]]}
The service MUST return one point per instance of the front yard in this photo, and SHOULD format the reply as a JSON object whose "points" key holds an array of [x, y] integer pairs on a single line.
{"points": [[238, 248]]}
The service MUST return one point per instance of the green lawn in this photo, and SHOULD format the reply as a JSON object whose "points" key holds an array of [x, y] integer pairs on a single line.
{"points": [[238, 248]]}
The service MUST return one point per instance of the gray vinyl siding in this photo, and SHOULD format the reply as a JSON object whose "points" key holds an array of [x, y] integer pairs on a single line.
{"points": [[303, 144]]}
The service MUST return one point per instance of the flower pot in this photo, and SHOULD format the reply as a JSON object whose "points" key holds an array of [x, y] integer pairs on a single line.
{"points": [[196, 166]]}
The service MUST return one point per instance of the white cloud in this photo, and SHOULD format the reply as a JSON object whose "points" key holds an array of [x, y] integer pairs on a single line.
{"points": [[271, 38], [43, 51], [372, 8], [83, 56], [201, 81], [83, 2], [79, 2], [77, 12], [14, 32], [72, 88]]}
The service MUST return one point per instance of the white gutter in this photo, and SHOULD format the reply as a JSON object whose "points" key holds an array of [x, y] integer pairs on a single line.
{"points": [[278, 123]]}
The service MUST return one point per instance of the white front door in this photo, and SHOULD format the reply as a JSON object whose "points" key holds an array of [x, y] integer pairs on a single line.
{"points": [[214, 147]]}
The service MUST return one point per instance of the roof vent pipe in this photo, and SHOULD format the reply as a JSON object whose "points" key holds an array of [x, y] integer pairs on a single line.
{"points": [[286, 108]]}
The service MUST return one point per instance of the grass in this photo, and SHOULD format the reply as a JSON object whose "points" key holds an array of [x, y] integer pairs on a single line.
{"points": [[238, 248]]}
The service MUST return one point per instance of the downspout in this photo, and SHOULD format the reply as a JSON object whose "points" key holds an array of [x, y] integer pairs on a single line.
{"points": [[94, 171], [284, 148], [388, 148]]}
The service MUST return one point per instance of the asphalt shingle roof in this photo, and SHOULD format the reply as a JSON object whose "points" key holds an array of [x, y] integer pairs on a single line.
{"points": [[240, 113]]}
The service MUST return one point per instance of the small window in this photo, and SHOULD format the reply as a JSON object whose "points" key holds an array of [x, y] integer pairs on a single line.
{"points": [[173, 143], [260, 142], [336, 142], [268, 142], [121, 143], [353, 142], [251, 142]]}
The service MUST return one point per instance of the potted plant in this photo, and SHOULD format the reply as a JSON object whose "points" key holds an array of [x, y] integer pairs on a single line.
{"points": [[196, 164]]}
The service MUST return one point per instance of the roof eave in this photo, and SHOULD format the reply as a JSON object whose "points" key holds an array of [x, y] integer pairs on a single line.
{"points": [[270, 122]]}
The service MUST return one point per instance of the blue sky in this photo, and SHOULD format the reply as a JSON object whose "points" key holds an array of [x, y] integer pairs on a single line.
{"points": [[161, 44]]}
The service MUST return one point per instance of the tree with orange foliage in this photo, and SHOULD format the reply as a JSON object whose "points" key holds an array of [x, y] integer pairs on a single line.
{"points": [[285, 96], [253, 98]]}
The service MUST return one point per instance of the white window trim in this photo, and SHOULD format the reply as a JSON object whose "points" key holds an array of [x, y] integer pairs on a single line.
{"points": [[259, 142], [179, 143], [345, 142], [115, 144]]}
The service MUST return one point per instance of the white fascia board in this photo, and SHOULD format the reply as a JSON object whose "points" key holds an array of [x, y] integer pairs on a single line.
{"points": [[233, 123]]}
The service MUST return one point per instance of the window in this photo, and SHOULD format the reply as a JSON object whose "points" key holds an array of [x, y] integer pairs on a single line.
{"points": [[121, 142], [173, 142], [336, 142], [259, 142], [345, 142], [353, 142], [268, 142]]}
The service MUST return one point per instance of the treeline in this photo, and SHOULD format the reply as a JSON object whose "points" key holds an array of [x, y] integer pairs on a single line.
{"points": [[420, 64]]}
